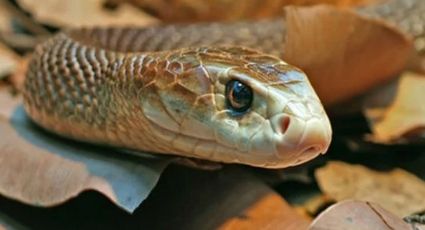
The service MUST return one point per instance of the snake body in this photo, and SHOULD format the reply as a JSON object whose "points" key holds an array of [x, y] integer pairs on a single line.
{"points": [[162, 90]]}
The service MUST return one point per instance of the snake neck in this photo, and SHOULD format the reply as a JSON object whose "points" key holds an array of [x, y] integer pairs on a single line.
{"points": [[83, 92], [120, 99]]}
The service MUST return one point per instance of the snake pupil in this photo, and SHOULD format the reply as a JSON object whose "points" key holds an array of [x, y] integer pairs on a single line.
{"points": [[239, 96]]}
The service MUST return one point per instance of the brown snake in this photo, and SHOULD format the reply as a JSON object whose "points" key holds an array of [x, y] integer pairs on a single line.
{"points": [[175, 89]]}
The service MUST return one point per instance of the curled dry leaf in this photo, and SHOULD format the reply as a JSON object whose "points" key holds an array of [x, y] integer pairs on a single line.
{"points": [[397, 191], [343, 53], [41, 169], [205, 10], [353, 215], [405, 116], [8, 61], [84, 13]]}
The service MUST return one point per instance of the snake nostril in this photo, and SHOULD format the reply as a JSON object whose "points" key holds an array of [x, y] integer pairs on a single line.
{"points": [[284, 124]]}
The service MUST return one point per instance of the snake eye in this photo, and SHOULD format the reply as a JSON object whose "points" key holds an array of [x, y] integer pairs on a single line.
{"points": [[239, 96]]}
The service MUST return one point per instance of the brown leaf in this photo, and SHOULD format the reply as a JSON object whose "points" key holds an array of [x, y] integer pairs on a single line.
{"points": [[397, 191], [353, 215], [343, 54], [84, 13], [269, 212], [405, 116], [41, 169], [184, 199]]}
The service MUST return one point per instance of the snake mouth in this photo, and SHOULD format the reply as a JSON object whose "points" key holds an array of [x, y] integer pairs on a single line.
{"points": [[298, 140]]}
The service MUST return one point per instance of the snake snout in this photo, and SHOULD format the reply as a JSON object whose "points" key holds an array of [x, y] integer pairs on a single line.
{"points": [[316, 138], [301, 139]]}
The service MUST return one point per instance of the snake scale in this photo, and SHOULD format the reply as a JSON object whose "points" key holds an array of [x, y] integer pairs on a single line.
{"points": [[188, 90]]}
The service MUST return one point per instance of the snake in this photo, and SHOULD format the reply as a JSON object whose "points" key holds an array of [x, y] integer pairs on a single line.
{"points": [[213, 91]]}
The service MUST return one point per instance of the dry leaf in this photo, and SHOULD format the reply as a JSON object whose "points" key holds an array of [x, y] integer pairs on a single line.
{"points": [[269, 212], [230, 198], [354, 215], [41, 169], [343, 54], [8, 61], [408, 16], [205, 10], [405, 116], [397, 191], [84, 13], [184, 198]]}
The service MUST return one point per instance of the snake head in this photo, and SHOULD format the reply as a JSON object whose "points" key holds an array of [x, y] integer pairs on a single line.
{"points": [[238, 105]]}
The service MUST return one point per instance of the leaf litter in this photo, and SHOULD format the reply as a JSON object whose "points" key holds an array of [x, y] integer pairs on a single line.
{"points": [[355, 54], [354, 215], [404, 118], [44, 170], [398, 191]]}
